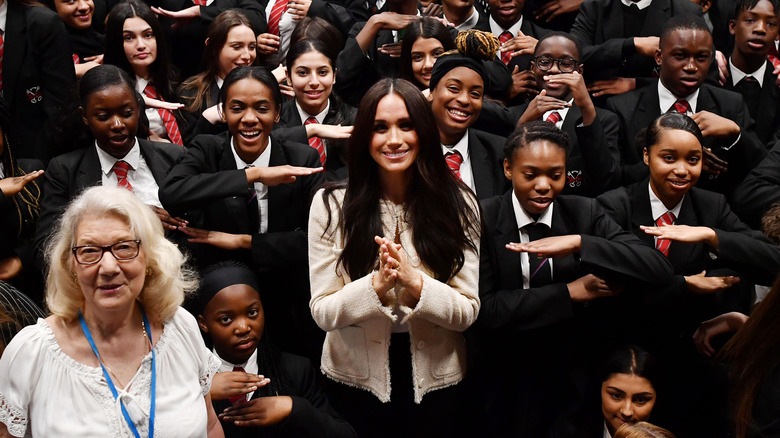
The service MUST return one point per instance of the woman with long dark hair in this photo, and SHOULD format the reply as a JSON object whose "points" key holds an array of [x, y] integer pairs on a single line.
{"points": [[425, 40], [394, 264], [136, 44]]}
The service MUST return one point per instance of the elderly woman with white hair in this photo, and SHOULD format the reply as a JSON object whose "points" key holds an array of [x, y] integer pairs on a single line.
{"points": [[118, 357]]}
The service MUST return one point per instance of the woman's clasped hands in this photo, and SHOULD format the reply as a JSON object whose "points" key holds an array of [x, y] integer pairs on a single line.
{"points": [[395, 269]]}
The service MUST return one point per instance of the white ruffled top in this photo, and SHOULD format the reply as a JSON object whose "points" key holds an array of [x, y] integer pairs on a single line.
{"points": [[46, 393]]}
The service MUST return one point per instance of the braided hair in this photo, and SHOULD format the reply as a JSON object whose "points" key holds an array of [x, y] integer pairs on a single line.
{"points": [[531, 132]]}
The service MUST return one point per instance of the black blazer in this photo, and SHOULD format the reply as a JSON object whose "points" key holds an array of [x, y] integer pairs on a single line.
{"points": [[636, 109], [528, 27], [767, 117], [742, 251], [68, 174], [759, 190], [206, 180], [486, 152], [37, 75], [291, 127], [592, 158], [356, 72], [531, 340], [193, 123], [599, 28], [311, 416]]}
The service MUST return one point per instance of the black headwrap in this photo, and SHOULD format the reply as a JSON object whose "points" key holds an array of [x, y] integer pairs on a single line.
{"points": [[222, 276], [453, 60]]}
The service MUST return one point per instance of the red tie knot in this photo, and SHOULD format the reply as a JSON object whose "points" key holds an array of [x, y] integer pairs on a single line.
{"points": [[665, 219], [554, 117], [310, 120], [682, 106]]}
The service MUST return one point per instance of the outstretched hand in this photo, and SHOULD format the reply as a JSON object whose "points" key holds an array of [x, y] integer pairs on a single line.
{"points": [[217, 238], [276, 175], [234, 383], [555, 246], [684, 233], [12, 186], [591, 287], [259, 412], [700, 284]]}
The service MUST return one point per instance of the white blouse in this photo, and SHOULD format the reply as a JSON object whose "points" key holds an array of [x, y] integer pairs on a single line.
{"points": [[46, 393]]}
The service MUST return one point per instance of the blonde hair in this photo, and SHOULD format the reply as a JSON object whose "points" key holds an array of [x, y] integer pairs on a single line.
{"points": [[167, 278], [642, 429]]}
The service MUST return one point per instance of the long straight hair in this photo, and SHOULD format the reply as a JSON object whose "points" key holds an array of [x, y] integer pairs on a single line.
{"points": [[442, 219], [162, 72]]}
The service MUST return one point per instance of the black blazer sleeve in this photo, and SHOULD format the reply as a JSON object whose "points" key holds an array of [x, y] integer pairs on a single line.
{"points": [[312, 415], [759, 190]]}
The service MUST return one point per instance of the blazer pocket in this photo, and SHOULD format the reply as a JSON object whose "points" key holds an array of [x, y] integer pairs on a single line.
{"points": [[348, 351], [448, 355]]}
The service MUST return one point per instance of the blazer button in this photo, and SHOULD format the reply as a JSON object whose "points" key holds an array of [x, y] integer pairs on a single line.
{"points": [[421, 345]]}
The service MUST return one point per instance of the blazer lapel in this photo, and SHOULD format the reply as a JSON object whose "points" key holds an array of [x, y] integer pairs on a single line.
{"points": [[89, 170], [277, 195], [641, 214], [682, 253], [14, 52], [159, 172], [613, 21], [769, 97], [657, 13], [569, 125], [506, 232], [480, 166]]}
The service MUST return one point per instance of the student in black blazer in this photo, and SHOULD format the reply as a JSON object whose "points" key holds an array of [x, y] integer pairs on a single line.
{"points": [[366, 56], [37, 72], [593, 158], [108, 117], [536, 323], [618, 41], [311, 73], [731, 146], [755, 29], [287, 401], [230, 42], [715, 258], [253, 192], [457, 86], [760, 189]]}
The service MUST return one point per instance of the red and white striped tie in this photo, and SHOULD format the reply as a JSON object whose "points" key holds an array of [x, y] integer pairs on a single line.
{"points": [[171, 127], [554, 117], [663, 244], [120, 170], [276, 16], [316, 142], [237, 399], [682, 106], [454, 160], [506, 57]]}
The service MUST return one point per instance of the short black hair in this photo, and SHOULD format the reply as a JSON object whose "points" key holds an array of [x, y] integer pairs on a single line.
{"points": [[668, 121], [564, 35], [746, 5], [684, 21], [534, 131]]}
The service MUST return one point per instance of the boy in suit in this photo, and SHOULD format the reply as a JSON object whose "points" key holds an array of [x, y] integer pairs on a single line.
{"points": [[755, 26], [533, 289], [593, 158], [684, 57]]}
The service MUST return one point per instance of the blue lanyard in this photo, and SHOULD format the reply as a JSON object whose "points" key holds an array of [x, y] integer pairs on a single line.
{"points": [[111, 386]]}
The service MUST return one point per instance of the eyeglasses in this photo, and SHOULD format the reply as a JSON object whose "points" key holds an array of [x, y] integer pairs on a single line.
{"points": [[565, 65], [91, 254]]}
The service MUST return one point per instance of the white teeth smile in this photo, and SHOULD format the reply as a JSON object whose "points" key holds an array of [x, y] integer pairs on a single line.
{"points": [[250, 133], [395, 154]]}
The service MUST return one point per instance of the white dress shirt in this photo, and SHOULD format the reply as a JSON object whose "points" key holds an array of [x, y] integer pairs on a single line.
{"points": [[666, 99], [139, 176], [737, 74], [260, 188], [562, 112], [641, 4], [523, 219], [250, 366], [470, 22], [156, 124], [658, 209]]}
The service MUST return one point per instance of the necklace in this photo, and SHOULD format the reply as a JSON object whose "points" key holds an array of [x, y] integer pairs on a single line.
{"points": [[114, 392], [147, 344]]}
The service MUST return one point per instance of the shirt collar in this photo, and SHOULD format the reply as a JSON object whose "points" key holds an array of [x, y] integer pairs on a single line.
{"points": [[498, 30], [140, 83], [641, 4], [461, 146], [133, 157], [658, 208], [4, 15], [320, 117], [666, 98], [260, 161], [250, 366], [470, 22], [737, 74], [562, 112], [523, 218], [219, 81]]}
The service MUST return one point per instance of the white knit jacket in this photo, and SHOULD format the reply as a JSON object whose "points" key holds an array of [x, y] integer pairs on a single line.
{"points": [[358, 325]]}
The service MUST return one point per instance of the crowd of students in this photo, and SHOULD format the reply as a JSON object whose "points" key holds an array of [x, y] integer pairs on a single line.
{"points": [[521, 211]]}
